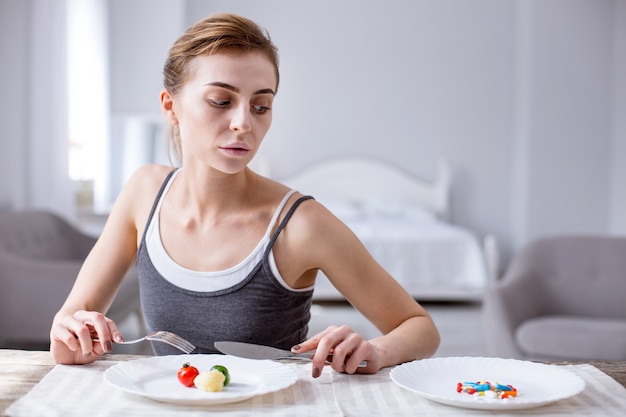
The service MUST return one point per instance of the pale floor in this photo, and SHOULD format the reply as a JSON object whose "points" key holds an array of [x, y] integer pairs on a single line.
{"points": [[459, 324]]}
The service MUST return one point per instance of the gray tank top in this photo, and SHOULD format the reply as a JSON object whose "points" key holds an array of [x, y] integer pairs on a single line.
{"points": [[258, 308]]}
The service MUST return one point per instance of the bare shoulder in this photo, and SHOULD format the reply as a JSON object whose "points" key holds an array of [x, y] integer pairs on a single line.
{"points": [[151, 176], [146, 181], [314, 226], [315, 239], [139, 192], [309, 212]]}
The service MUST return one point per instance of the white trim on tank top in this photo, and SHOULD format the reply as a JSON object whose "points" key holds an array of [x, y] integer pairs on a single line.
{"points": [[209, 281]]}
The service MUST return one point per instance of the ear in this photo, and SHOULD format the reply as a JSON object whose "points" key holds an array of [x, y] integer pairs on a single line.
{"points": [[167, 107]]}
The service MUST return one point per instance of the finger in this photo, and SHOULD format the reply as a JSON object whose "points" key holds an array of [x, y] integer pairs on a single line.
{"points": [[353, 360], [106, 332], [345, 342], [92, 325], [341, 354], [312, 342], [327, 353], [82, 334], [61, 333], [117, 334]]}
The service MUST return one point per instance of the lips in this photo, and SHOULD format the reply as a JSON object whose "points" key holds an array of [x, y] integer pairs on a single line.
{"points": [[236, 149]]}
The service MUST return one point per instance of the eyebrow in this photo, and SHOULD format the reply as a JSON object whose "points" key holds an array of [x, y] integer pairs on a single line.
{"points": [[236, 90]]}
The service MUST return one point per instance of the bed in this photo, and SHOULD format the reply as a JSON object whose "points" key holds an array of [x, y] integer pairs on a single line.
{"points": [[404, 222]]}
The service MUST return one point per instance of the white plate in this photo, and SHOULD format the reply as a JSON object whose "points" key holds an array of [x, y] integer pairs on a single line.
{"points": [[537, 384], [155, 378]]}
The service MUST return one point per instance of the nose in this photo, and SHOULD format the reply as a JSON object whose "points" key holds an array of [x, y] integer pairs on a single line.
{"points": [[241, 119]]}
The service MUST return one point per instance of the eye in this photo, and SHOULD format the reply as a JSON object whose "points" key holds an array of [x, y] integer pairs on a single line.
{"points": [[219, 103], [261, 109], [261, 105]]}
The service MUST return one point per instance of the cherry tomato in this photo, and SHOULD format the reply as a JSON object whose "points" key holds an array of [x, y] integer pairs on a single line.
{"points": [[187, 374], [224, 371]]}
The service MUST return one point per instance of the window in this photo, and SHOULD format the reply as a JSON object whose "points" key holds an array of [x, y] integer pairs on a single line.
{"points": [[88, 99]]}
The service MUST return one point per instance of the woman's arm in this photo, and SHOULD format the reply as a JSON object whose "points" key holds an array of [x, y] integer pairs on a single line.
{"points": [[81, 318], [323, 242]]}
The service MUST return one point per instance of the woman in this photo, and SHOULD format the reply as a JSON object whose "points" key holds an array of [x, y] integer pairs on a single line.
{"points": [[222, 252]]}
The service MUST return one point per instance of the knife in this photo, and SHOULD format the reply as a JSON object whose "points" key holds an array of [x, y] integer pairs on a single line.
{"points": [[254, 351]]}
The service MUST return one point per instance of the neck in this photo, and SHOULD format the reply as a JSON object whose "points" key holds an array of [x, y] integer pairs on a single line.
{"points": [[212, 194]]}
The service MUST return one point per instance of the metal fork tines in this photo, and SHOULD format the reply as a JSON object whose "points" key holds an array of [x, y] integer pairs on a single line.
{"points": [[170, 338]]}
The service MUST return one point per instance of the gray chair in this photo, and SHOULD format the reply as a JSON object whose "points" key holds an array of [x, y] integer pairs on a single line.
{"points": [[40, 255], [562, 297]]}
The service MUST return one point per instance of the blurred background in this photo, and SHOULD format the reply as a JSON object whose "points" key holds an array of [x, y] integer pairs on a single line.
{"points": [[526, 99]]}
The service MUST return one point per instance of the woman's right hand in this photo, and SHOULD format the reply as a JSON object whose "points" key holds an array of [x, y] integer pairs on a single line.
{"points": [[72, 337]]}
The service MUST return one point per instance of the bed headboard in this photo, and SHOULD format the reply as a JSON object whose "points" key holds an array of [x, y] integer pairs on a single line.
{"points": [[361, 179]]}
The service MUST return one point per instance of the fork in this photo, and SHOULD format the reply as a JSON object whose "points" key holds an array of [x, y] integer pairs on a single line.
{"points": [[170, 338]]}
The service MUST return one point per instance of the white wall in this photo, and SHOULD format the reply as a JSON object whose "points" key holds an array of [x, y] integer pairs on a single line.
{"points": [[406, 82], [141, 32], [519, 95], [526, 98], [13, 108], [618, 149], [567, 117]]}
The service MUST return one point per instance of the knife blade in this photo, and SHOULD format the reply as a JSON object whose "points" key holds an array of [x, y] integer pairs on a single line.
{"points": [[254, 351]]}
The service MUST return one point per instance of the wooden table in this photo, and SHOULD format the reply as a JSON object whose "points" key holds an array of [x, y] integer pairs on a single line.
{"points": [[22, 370]]}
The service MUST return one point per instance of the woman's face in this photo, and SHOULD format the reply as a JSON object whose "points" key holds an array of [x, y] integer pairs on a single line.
{"points": [[224, 109]]}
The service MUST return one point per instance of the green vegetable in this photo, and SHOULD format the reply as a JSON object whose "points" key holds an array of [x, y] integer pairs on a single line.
{"points": [[224, 371]]}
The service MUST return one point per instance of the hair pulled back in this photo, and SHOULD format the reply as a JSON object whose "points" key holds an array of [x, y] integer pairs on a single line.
{"points": [[222, 32]]}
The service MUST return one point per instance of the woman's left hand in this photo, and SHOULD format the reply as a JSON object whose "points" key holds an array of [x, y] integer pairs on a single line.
{"points": [[342, 348]]}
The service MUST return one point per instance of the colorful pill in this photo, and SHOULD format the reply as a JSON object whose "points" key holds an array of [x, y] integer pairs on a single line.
{"points": [[491, 394], [486, 389]]}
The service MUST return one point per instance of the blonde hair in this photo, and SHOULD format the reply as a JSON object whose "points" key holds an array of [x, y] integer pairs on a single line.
{"points": [[222, 32]]}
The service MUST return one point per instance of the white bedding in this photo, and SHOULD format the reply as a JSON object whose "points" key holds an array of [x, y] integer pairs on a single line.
{"points": [[430, 258], [402, 220]]}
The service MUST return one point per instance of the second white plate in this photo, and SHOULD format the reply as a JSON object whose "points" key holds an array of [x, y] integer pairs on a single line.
{"points": [[155, 378], [537, 384]]}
